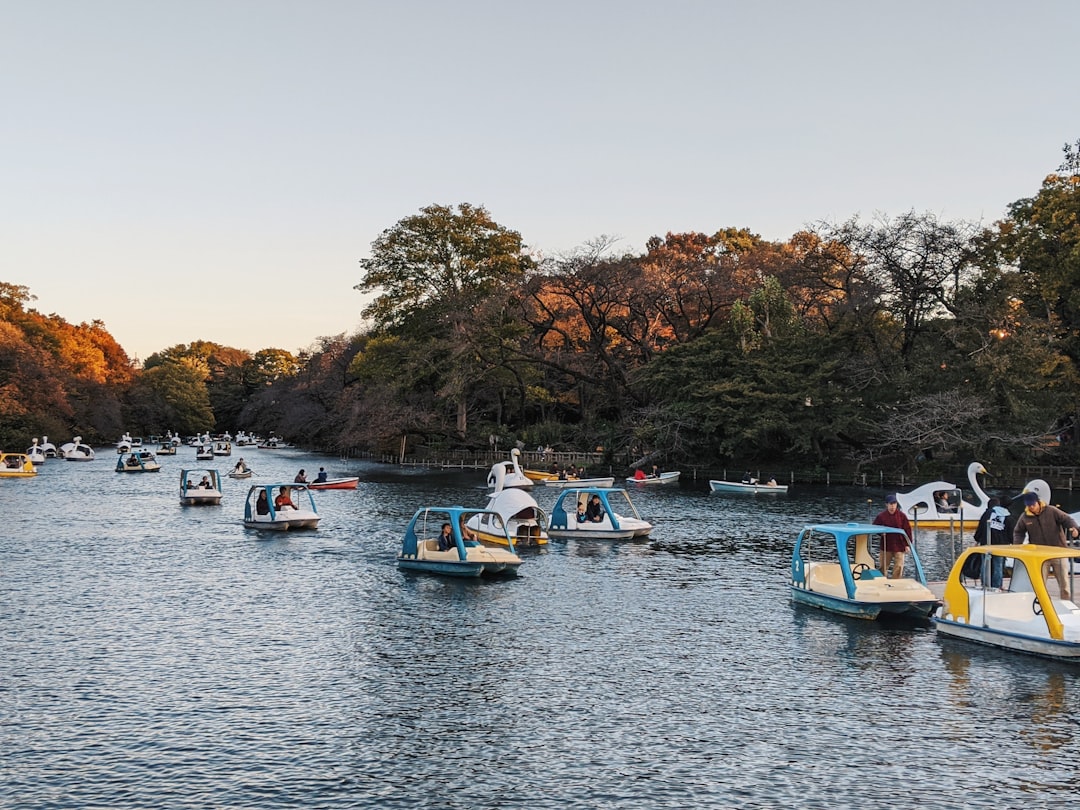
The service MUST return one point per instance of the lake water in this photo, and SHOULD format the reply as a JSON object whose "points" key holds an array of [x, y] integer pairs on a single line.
{"points": [[155, 655]]}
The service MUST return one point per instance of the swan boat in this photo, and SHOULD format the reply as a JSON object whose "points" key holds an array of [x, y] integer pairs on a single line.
{"points": [[1029, 617], [612, 525], [139, 460], [508, 473], [16, 465], [200, 487], [661, 478], [466, 558], [741, 486], [511, 512], [921, 504], [36, 453], [833, 568], [261, 513], [125, 444], [49, 448], [166, 448], [75, 450]]}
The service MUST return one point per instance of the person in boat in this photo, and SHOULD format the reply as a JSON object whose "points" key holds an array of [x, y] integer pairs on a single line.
{"points": [[262, 505], [748, 478], [446, 537], [1046, 525], [944, 504], [995, 528], [283, 500], [321, 478], [133, 460], [240, 467], [562, 474], [655, 471], [205, 483], [300, 478], [771, 482], [895, 546], [595, 510], [639, 474], [467, 534], [582, 517]]}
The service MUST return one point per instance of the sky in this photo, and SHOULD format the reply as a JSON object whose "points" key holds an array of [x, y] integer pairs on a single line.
{"points": [[216, 169]]}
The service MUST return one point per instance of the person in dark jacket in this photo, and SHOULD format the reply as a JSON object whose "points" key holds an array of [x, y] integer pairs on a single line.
{"points": [[1046, 525], [895, 546], [996, 529]]}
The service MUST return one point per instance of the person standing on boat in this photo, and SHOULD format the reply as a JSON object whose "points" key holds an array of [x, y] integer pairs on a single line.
{"points": [[1046, 525], [895, 546], [996, 529]]}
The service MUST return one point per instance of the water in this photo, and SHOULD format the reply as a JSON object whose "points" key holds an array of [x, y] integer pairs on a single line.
{"points": [[164, 656]]}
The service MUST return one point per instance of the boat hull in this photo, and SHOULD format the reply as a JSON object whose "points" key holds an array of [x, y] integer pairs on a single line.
{"points": [[864, 610], [555, 483], [663, 478], [285, 524], [592, 534], [1042, 647], [202, 499]]}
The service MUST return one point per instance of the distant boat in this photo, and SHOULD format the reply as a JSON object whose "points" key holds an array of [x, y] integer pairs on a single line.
{"points": [[505, 474], [660, 478], [923, 503], [139, 460], [75, 450], [36, 453], [740, 486]]}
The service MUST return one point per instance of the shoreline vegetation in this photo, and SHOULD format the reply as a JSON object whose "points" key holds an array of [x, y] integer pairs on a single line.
{"points": [[859, 351]]}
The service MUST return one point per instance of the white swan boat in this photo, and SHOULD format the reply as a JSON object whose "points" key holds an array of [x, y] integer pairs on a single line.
{"points": [[510, 512], [36, 453], [924, 503], [507, 474], [75, 450]]}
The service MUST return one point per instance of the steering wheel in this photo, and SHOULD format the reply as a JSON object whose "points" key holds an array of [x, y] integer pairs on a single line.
{"points": [[857, 570], [1036, 606]]}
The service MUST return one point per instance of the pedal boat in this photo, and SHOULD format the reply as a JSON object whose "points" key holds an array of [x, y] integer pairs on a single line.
{"points": [[467, 558], [75, 450], [138, 461], [1027, 617], [920, 505], [512, 512], [16, 465], [508, 473], [833, 568], [304, 515], [193, 493], [36, 453], [564, 522]]}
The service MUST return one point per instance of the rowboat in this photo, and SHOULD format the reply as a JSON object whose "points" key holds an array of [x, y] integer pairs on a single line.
{"points": [[335, 483], [833, 568], [1027, 617], [740, 486], [659, 478]]}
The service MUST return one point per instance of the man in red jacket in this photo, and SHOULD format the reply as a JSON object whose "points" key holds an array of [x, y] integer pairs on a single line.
{"points": [[895, 545]]}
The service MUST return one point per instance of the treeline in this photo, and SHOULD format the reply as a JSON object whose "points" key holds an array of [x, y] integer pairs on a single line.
{"points": [[889, 340]]}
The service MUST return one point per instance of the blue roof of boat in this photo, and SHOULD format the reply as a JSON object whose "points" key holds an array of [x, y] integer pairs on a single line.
{"points": [[853, 528]]}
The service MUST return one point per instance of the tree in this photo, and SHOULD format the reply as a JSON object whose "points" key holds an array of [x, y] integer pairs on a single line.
{"points": [[431, 271]]}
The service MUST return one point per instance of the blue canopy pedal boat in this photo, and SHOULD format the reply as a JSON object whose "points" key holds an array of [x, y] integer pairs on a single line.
{"points": [[833, 568], [596, 513], [461, 555]]}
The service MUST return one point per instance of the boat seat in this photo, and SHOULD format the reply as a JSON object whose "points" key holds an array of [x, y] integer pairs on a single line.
{"points": [[824, 574]]}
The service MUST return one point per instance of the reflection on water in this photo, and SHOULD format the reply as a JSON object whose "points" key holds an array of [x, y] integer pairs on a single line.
{"points": [[158, 655]]}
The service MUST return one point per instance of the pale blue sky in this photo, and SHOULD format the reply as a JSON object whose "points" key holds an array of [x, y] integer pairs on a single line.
{"points": [[215, 170]]}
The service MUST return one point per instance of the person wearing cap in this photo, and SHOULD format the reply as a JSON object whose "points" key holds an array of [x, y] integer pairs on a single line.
{"points": [[1046, 525], [895, 546]]}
